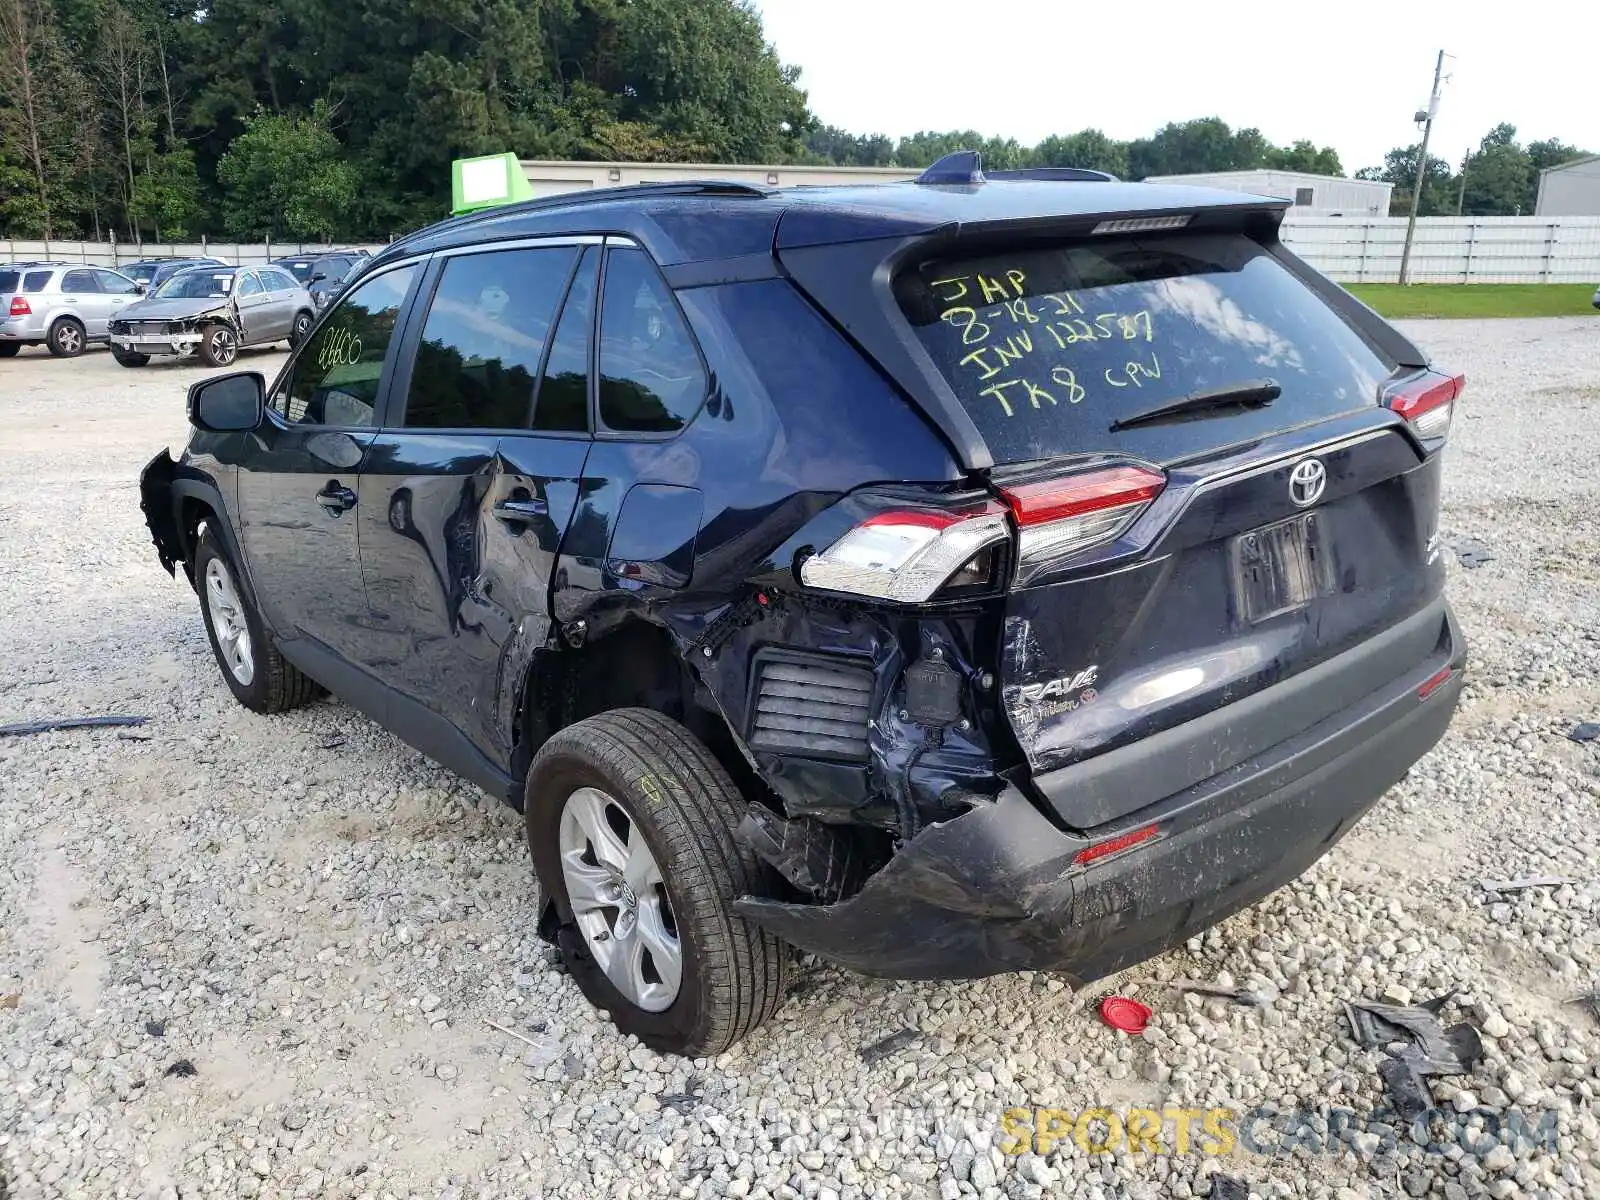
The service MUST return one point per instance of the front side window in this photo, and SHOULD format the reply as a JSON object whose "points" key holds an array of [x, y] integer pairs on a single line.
{"points": [[115, 285], [334, 379], [485, 334], [248, 284], [651, 377]]}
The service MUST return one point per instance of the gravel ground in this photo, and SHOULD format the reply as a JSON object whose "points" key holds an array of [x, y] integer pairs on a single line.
{"points": [[243, 956]]}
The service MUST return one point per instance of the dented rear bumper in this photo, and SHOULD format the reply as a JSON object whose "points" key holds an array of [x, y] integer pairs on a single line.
{"points": [[998, 889]]}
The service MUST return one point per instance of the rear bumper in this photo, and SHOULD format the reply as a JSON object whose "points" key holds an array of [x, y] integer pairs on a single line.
{"points": [[997, 889]]}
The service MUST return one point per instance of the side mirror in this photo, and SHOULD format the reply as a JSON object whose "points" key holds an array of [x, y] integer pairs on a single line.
{"points": [[228, 403], [141, 288], [317, 275]]}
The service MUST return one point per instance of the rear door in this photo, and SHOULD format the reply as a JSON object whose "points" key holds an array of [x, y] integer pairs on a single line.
{"points": [[1235, 544], [468, 491], [299, 471]]}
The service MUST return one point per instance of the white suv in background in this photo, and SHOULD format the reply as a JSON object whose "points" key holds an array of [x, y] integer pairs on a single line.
{"points": [[66, 306]]}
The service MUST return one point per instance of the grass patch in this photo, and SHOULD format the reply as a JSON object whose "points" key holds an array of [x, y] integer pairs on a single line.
{"points": [[1479, 299]]}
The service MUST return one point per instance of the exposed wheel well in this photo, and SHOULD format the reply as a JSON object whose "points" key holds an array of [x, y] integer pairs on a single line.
{"points": [[192, 512], [636, 665]]}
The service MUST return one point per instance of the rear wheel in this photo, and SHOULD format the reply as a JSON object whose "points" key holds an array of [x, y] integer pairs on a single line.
{"points": [[631, 824], [297, 333], [129, 358], [66, 338], [256, 674], [219, 345], [9, 349]]}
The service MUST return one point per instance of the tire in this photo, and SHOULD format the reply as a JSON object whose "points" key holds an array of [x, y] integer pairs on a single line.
{"points": [[670, 789], [302, 325], [66, 338], [219, 346], [270, 685], [9, 349], [129, 358]]}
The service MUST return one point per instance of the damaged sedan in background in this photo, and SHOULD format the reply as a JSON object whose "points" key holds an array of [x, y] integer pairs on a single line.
{"points": [[212, 312], [1021, 571]]}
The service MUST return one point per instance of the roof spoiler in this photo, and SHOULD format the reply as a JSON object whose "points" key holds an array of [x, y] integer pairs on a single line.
{"points": [[966, 167]]}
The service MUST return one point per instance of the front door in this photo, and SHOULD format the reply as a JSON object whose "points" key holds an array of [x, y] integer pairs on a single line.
{"points": [[255, 308], [463, 507], [299, 475], [81, 292], [119, 290]]}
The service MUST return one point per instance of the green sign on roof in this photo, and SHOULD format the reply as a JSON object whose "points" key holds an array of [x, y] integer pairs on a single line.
{"points": [[486, 181]]}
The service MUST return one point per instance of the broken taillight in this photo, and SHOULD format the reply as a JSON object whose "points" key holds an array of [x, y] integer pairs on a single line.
{"points": [[1427, 401], [906, 555], [1059, 517], [20, 307]]}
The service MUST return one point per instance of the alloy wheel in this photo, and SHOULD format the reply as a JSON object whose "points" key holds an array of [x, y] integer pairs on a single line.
{"points": [[228, 623], [619, 899]]}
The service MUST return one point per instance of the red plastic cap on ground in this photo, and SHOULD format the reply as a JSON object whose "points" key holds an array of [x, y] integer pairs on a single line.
{"points": [[1120, 1012]]}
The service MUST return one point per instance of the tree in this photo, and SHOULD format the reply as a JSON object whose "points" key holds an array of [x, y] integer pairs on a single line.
{"points": [[36, 94], [1088, 148], [1497, 177], [926, 148], [1206, 144], [830, 144], [1304, 156], [286, 174], [1400, 168]]}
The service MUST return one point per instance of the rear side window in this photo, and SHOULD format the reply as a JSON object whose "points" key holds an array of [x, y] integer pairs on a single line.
{"points": [[1047, 348], [483, 339], [651, 377], [35, 281], [563, 402]]}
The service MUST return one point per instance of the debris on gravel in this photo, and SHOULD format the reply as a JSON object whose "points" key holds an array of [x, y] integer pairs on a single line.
{"points": [[321, 922]]}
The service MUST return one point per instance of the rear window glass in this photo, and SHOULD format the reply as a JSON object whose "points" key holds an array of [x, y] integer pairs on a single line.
{"points": [[1047, 348]]}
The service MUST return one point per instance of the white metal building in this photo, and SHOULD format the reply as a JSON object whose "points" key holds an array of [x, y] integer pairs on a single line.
{"points": [[1312, 195], [551, 177], [1571, 189]]}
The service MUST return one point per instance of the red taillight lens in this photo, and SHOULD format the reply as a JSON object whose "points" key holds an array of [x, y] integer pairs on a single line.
{"points": [[906, 555], [1060, 517], [1116, 845], [20, 307], [1433, 683], [1427, 401]]}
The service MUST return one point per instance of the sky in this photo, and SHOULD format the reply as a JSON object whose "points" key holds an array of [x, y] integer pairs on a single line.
{"points": [[1348, 74]]}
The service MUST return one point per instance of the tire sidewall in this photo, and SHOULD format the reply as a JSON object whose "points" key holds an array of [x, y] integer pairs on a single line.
{"points": [[555, 776], [298, 331], [254, 695]]}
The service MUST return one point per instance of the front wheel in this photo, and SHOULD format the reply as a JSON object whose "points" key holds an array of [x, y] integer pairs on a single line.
{"points": [[256, 674], [219, 345], [631, 824], [129, 358]]}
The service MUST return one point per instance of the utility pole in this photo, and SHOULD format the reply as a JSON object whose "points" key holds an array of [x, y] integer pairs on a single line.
{"points": [[1422, 168], [1461, 196]]}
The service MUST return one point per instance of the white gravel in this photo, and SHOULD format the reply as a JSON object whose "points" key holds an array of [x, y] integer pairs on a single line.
{"points": [[256, 957]]}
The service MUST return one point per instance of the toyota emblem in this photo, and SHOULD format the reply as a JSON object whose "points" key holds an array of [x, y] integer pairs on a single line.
{"points": [[1307, 481]]}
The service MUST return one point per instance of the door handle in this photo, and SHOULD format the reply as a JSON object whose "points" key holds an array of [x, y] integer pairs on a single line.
{"points": [[336, 499], [520, 512]]}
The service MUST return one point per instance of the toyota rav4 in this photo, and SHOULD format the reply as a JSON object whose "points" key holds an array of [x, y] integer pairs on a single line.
{"points": [[945, 578]]}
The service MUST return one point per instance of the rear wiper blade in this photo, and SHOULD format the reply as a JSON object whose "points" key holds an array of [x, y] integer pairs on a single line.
{"points": [[1253, 393]]}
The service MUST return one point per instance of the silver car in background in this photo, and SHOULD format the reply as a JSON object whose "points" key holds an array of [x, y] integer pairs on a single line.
{"points": [[213, 312], [64, 306]]}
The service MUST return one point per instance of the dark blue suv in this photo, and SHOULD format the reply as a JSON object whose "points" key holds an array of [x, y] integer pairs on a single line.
{"points": [[947, 578]]}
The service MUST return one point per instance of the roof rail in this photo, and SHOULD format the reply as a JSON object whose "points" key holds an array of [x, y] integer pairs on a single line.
{"points": [[688, 187], [1057, 175], [966, 166]]}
